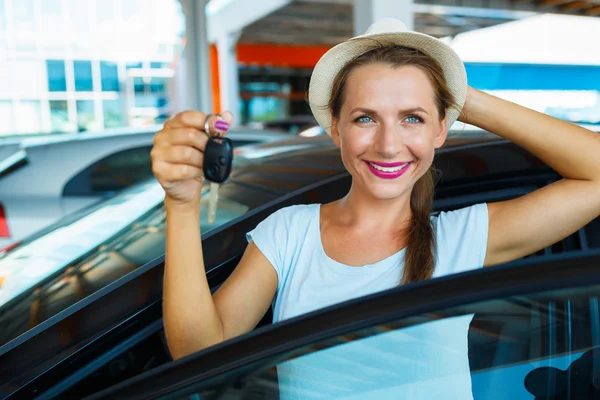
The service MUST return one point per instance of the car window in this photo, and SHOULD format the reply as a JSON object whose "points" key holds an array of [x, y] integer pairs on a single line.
{"points": [[112, 173], [521, 348]]}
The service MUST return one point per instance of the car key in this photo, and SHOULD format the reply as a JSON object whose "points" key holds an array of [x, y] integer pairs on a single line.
{"points": [[218, 157]]}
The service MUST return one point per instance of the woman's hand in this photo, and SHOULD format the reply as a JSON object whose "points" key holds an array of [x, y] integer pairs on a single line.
{"points": [[178, 154]]}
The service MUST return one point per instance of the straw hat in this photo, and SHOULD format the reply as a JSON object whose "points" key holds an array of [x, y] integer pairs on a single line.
{"points": [[386, 31]]}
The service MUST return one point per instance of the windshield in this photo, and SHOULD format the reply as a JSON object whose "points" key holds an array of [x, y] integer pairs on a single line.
{"points": [[75, 260], [93, 248]]}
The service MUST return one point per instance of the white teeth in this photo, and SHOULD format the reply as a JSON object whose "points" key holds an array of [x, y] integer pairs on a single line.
{"points": [[388, 169]]}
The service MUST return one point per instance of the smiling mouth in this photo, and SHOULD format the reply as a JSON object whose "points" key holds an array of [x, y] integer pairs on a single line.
{"points": [[388, 167]]}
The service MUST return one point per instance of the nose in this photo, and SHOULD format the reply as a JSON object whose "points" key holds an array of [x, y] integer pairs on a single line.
{"points": [[388, 139]]}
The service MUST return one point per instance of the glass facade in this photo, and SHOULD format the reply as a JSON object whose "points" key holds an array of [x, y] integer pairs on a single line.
{"points": [[70, 65]]}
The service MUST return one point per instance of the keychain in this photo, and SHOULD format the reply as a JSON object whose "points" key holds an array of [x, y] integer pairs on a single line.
{"points": [[218, 157]]}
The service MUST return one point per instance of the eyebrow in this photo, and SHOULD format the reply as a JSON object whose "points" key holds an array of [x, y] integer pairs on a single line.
{"points": [[406, 111]]}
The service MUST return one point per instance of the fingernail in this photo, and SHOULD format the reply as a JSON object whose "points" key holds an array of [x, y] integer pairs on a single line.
{"points": [[221, 125]]}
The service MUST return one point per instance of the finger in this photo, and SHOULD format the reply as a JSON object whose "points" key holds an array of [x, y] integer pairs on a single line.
{"points": [[221, 125], [182, 136], [184, 155], [168, 172], [189, 118]]}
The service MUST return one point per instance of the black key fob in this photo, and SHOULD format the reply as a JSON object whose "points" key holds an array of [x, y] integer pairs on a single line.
{"points": [[218, 157]]}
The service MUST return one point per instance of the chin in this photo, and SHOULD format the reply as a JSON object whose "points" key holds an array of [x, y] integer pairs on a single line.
{"points": [[389, 191]]}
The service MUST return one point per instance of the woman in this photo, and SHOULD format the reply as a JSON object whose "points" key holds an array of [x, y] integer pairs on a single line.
{"points": [[387, 99]]}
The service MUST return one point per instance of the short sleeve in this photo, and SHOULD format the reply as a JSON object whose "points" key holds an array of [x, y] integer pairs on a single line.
{"points": [[462, 237], [271, 237]]}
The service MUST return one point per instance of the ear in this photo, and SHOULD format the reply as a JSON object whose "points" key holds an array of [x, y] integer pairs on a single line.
{"points": [[335, 133], [441, 136]]}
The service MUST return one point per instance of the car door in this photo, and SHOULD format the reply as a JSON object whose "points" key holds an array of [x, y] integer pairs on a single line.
{"points": [[526, 330]]}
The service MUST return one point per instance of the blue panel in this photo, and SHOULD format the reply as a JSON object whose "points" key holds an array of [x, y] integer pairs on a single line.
{"points": [[83, 76], [57, 81], [533, 77], [110, 76]]}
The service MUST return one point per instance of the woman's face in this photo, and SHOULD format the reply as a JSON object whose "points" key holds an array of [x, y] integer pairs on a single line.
{"points": [[388, 128]]}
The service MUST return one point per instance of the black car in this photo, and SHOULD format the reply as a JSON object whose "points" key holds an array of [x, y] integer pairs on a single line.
{"points": [[81, 312]]}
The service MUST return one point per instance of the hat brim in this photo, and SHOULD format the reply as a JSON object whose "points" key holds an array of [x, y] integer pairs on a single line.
{"points": [[336, 58]]}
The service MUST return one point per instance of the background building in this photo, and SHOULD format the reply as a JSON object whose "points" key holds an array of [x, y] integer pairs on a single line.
{"points": [[72, 65]]}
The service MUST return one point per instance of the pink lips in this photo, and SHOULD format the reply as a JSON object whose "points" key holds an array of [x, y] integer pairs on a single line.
{"points": [[388, 175]]}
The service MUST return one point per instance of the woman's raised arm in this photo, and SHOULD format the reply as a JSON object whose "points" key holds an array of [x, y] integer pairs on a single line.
{"points": [[527, 224]]}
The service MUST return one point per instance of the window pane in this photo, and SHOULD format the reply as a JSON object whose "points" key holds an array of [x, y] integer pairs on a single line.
{"points": [[6, 117], [524, 347], [28, 116], [59, 116], [86, 116], [113, 114], [83, 76], [110, 76], [57, 81]]}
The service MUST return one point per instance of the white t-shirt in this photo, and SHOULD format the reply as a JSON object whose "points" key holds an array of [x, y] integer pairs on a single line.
{"points": [[421, 362]]}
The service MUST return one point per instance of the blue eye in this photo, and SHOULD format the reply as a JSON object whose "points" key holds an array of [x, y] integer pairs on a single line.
{"points": [[364, 119], [413, 119]]}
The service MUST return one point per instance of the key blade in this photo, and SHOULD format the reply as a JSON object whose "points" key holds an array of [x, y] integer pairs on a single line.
{"points": [[213, 199]]}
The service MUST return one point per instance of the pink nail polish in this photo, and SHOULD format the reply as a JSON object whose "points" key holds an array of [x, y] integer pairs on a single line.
{"points": [[221, 125]]}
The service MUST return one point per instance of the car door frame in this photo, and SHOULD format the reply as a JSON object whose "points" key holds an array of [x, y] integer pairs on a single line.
{"points": [[271, 343]]}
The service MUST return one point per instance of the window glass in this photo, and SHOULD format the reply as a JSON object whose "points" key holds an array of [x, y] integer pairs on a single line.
{"points": [[6, 116], [110, 76], [86, 115], [28, 116], [114, 116], [59, 116], [522, 348], [83, 76], [57, 81]]}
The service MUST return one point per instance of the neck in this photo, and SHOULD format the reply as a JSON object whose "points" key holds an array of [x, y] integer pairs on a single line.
{"points": [[360, 209]]}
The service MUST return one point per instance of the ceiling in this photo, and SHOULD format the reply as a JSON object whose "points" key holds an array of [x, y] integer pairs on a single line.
{"points": [[328, 22]]}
